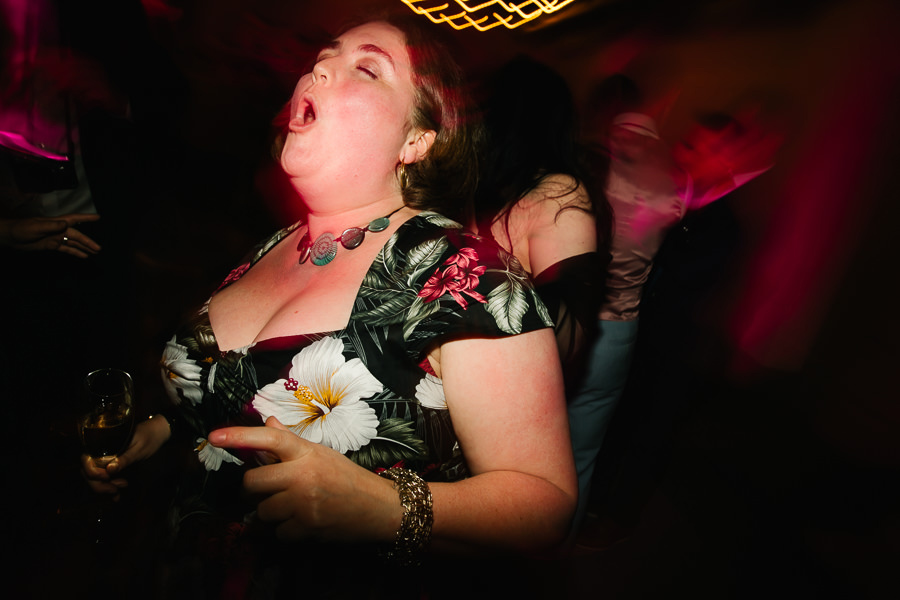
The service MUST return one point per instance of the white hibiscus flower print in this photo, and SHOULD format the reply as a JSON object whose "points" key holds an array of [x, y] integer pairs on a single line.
{"points": [[212, 457], [321, 400], [430, 393], [180, 373]]}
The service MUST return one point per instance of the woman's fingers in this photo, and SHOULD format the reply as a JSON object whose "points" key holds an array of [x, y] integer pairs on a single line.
{"points": [[76, 238], [313, 490], [92, 470], [276, 508], [102, 487], [73, 249], [76, 218], [98, 478], [76, 243], [59, 233], [274, 439], [275, 423]]}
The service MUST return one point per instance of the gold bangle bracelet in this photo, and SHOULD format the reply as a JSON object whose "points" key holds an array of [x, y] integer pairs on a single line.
{"points": [[415, 528]]}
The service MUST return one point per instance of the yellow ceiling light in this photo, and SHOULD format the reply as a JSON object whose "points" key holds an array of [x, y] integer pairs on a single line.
{"points": [[485, 15]]}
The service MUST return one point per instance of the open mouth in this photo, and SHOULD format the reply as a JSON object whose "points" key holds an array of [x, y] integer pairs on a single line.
{"points": [[306, 111], [305, 114], [309, 114]]}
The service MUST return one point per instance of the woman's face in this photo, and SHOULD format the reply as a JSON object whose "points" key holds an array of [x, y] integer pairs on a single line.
{"points": [[350, 115]]}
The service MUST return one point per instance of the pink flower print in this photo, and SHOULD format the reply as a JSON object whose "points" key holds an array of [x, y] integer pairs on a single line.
{"points": [[234, 275], [464, 258], [459, 276]]}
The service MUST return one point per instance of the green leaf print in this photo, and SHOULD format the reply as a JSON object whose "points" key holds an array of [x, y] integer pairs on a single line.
{"points": [[396, 440], [424, 258], [389, 291], [440, 220], [388, 308], [234, 381], [418, 311], [387, 274], [507, 304], [541, 309]]}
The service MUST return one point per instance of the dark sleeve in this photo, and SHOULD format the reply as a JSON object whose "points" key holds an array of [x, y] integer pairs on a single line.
{"points": [[572, 290]]}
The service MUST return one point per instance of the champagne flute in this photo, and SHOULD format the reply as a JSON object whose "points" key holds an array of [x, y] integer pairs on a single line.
{"points": [[105, 425]]}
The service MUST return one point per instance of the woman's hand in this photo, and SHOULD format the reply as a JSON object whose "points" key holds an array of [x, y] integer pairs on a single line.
{"points": [[43, 233], [148, 438], [314, 491]]}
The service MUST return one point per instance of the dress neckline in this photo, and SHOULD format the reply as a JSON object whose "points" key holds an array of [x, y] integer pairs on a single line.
{"points": [[264, 249]]}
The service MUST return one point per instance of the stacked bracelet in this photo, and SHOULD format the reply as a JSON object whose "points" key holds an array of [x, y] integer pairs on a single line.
{"points": [[415, 528]]}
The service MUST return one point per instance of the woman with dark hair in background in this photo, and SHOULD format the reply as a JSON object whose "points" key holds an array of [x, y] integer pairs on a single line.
{"points": [[536, 199]]}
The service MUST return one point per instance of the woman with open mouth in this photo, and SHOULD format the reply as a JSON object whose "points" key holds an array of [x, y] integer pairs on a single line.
{"points": [[374, 383]]}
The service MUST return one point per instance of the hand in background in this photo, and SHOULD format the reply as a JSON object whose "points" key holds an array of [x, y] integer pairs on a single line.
{"points": [[49, 233], [148, 438]]}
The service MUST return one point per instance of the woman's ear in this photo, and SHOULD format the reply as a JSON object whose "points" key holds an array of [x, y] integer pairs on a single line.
{"points": [[417, 145]]}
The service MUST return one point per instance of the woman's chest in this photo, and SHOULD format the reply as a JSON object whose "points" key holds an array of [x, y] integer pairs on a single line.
{"points": [[280, 298]]}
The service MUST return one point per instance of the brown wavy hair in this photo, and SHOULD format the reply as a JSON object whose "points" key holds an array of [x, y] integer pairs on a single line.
{"points": [[446, 178]]}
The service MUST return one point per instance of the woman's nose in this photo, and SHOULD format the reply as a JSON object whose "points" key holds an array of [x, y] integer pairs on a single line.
{"points": [[320, 72]]}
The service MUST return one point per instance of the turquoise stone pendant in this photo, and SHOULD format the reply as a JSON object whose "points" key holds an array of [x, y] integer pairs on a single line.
{"points": [[323, 250]]}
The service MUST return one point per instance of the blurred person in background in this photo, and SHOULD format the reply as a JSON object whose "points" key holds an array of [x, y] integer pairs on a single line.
{"points": [[651, 187]]}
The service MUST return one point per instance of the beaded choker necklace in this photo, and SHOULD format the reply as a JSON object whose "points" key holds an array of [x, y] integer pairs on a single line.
{"points": [[324, 249]]}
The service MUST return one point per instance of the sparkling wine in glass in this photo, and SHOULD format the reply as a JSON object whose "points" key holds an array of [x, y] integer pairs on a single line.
{"points": [[107, 421]]}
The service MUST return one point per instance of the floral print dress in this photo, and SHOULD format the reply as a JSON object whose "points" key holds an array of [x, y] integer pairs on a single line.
{"points": [[366, 391]]}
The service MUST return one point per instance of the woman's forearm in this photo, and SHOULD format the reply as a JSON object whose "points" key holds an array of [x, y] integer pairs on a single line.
{"points": [[502, 510]]}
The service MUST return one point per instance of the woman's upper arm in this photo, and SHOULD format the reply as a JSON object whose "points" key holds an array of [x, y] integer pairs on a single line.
{"points": [[506, 399]]}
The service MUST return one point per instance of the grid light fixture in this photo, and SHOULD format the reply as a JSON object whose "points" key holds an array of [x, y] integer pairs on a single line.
{"points": [[483, 16]]}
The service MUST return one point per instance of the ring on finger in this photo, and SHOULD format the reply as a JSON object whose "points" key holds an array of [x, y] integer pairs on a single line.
{"points": [[65, 240]]}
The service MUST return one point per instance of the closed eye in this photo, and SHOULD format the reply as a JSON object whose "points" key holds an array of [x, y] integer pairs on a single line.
{"points": [[369, 72]]}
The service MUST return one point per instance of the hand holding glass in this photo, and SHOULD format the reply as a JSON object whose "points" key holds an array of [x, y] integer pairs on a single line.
{"points": [[107, 422]]}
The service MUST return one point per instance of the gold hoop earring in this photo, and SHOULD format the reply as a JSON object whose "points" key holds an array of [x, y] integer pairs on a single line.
{"points": [[402, 177]]}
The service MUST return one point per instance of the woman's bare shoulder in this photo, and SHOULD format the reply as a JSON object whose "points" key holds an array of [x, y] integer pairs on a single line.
{"points": [[557, 191]]}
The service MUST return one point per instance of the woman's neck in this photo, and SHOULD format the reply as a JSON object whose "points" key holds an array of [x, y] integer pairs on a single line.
{"points": [[335, 217]]}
